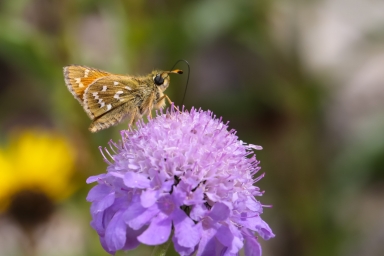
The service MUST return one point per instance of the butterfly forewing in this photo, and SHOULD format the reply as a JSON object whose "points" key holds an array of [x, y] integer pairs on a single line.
{"points": [[78, 78], [107, 93]]}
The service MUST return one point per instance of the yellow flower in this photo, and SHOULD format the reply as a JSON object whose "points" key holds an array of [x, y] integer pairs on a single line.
{"points": [[36, 161]]}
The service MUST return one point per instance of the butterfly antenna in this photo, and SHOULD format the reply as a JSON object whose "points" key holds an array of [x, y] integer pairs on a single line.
{"points": [[186, 84]]}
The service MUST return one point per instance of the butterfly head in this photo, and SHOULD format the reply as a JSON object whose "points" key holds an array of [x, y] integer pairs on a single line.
{"points": [[161, 78]]}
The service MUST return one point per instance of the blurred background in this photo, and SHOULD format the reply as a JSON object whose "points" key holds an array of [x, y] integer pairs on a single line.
{"points": [[303, 79]]}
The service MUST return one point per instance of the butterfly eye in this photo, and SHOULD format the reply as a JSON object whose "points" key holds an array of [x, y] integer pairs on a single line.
{"points": [[158, 80]]}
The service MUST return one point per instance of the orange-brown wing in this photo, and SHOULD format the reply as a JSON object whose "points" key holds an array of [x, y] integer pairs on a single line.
{"points": [[110, 92], [78, 78]]}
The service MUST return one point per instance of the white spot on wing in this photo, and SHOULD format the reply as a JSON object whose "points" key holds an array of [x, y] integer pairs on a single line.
{"points": [[86, 72], [102, 104], [117, 94], [109, 106], [77, 80], [115, 83], [100, 101], [128, 88], [104, 88]]}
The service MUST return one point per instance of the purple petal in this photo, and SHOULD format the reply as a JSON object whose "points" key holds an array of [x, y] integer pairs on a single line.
{"points": [[254, 205], [136, 180], [183, 251], [134, 209], [105, 246], [219, 212], [224, 235], [179, 193], [252, 246], [264, 230], [144, 218], [186, 232], [167, 204], [103, 203], [195, 198], [149, 197], [133, 166], [198, 211], [256, 224], [98, 192], [95, 178], [158, 231], [131, 239], [207, 245], [116, 174], [115, 234], [97, 223], [228, 239]]}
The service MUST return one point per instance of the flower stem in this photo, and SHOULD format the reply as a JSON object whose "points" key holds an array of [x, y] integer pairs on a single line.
{"points": [[161, 249]]}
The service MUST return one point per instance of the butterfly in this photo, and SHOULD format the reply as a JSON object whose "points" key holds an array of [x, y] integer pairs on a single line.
{"points": [[109, 98]]}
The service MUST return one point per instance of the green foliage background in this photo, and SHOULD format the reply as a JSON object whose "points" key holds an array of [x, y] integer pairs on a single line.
{"points": [[324, 170]]}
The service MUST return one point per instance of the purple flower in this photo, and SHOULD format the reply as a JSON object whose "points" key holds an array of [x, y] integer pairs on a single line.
{"points": [[183, 174]]}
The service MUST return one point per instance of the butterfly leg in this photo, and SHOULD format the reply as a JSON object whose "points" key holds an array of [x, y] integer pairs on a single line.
{"points": [[169, 101], [132, 117]]}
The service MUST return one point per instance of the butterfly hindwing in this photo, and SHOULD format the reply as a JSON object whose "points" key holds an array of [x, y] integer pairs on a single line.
{"points": [[78, 78], [107, 93]]}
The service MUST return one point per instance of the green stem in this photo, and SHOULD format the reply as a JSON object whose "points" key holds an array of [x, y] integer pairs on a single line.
{"points": [[161, 250]]}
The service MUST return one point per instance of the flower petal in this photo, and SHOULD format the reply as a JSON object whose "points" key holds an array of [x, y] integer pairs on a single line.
{"points": [[98, 192], [104, 203], [208, 243], [158, 231], [186, 232], [131, 239], [149, 197], [252, 246], [136, 180], [198, 211], [264, 230], [115, 234], [253, 205], [95, 178], [97, 223], [219, 212], [105, 246], [143, 218], [183, 251], [228, 239]]}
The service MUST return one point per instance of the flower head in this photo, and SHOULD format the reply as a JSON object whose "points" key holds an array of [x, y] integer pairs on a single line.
{"points": [[183, 172]]}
